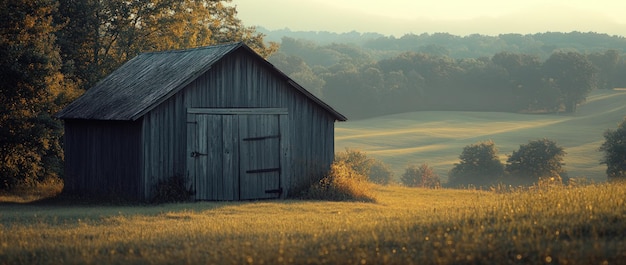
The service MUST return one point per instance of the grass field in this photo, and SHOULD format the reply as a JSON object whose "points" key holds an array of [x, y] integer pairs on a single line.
{"points": [[539, 225], [554, 225], [437, 138]]}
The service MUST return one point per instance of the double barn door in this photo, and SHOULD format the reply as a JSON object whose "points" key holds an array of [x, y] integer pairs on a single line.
{"points": [[237, 154]]}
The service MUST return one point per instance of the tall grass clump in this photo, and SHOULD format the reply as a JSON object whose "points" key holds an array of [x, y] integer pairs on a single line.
{"points": [[49, 187], [172, 189], [341, 183]]}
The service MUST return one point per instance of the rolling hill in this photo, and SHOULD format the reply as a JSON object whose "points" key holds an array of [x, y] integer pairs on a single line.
{"points": [[438, 137]]}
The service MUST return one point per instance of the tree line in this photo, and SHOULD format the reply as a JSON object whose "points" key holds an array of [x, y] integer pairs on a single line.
{"points": [[455, 46], [364, 83], [53, 50], [536, 162]]}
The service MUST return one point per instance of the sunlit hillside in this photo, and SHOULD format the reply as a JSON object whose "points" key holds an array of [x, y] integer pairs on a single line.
{"points": [[438, 137]]}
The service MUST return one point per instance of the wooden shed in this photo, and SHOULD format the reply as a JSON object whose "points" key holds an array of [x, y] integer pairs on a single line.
{"points": [[222, 116]]}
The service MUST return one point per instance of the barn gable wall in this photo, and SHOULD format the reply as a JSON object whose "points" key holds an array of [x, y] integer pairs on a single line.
{"points": [[101, 158], [237, 81]]}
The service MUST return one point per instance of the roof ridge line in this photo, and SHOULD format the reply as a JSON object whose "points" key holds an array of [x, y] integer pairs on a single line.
{"points": [[237, 43]]}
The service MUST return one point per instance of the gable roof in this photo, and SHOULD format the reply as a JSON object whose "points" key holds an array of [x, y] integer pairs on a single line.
{"points": [[149, 79]]}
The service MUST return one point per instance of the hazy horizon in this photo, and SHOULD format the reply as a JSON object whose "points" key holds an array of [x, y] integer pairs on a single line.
{"points": [[400, 17]]}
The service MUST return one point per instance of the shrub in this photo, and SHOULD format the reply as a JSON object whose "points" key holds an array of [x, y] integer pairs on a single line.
{"points": [[422, 176], [479, 165], [342, 183], [356, 159], [172, 189], [380, 173], [375, 170]]}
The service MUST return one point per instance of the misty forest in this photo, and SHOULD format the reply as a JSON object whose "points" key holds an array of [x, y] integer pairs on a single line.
{"points": [[371, 75]]}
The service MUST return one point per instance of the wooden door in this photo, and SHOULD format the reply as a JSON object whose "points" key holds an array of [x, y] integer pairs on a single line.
{"points": [[213, 156], [237, 154], [260, 157]]}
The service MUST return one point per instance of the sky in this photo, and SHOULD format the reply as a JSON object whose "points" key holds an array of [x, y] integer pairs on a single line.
{"points": [[459, 17]]}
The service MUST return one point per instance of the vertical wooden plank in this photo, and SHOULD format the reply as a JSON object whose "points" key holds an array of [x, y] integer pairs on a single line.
{"points": [[285, 155], [230, 139], [213, 174], [201, 162], [192, 142], [244, 157]]}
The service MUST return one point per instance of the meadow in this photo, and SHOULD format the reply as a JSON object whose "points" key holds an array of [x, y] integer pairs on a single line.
{"points": [[542, 225], [548, 224], [438, 137]]}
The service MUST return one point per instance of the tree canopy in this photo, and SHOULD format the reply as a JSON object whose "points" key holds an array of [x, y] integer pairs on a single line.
{"points": [[479, 165], [32, 88], [614, 148], [97, 36], [512, 73], [537, 159]]}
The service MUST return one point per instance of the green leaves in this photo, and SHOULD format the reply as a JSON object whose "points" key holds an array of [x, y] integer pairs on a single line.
{"points": [[538, 159], [479, 165], [614, 149]]}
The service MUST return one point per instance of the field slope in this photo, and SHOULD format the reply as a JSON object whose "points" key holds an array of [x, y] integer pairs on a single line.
{"points": [[438, 137]]}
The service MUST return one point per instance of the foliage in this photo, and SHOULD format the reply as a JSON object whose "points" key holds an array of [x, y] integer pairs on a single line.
{"points": [[572, 74], [614, 149], [539, 159], [479, 166], [380, 173], [98, 36], [373, 169], [446, 72], [342, 183], [172, 189], [422, 176], [45, 189], [31, 90], [355, 159], [561, 225]]}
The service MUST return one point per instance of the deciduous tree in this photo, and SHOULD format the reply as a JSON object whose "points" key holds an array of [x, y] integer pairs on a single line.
{"points": [[538, 159], [479, 165], [614, 148], [98, 35], [573, 75], [422, 176], [31, 90]]}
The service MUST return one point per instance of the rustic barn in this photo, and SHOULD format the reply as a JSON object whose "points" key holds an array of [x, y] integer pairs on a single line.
{"points": [[222, 116]]}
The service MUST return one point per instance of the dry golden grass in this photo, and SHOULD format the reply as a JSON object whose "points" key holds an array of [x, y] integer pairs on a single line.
{"points": [[341, 183], [48, 188], [546, 225], [438, 137]]}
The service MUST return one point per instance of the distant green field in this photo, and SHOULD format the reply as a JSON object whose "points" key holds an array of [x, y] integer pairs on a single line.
{"points": [[438, 137]]}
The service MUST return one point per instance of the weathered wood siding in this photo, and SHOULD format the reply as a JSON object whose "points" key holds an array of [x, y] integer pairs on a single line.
{"points": [[102, 158], [237, 81]]}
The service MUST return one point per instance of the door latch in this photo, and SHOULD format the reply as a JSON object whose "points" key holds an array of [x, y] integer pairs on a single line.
{"points": [[197, 154]]}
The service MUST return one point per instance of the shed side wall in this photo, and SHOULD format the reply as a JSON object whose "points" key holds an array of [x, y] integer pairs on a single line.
{"points": [[102, 158]]}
